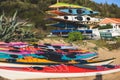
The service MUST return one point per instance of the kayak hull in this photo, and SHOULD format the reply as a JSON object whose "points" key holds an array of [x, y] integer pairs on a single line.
{"points": [[10, 74]]}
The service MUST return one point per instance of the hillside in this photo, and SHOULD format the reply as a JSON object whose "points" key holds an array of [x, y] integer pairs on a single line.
{"points": [[34, 10]]}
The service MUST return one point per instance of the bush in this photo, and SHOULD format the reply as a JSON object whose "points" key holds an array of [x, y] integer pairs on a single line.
{"points": [[113, 46], [108, 26], [75, 36]]}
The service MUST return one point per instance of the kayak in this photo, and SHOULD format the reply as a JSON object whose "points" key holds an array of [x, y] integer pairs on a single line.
{"points": [[27, 62], [57, 71]]}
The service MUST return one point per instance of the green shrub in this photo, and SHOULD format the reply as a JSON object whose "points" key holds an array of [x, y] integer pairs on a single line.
{"points": [[108, 26], [12, 30], [75, 36]]}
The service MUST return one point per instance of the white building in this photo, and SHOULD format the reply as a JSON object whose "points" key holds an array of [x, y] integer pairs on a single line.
{"points": [[115, 22], [114, 31]]}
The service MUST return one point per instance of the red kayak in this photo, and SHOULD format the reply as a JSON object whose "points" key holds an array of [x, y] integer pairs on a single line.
{"points": [[56, 71], [57, 12]]}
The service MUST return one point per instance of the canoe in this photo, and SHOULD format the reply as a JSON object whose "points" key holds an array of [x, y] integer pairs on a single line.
{"points": [[58, 71], [42, 62]]}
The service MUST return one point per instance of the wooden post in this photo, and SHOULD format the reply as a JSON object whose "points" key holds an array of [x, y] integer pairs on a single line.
{"points": [[57, 1], [68, 78], [98, 77], [48, 79]]}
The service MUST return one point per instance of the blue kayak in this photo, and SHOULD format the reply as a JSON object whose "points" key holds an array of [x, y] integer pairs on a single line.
{"points": [[80, 11], [10, 55], [67, 57], [4, 55], [58, 32], [79, 56], [67, 25]]}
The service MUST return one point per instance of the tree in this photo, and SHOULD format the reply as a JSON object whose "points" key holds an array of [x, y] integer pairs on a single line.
{"points": [[75, 36]]}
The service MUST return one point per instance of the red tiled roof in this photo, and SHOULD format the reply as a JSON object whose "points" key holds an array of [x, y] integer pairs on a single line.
{"points": [[110, 20]]}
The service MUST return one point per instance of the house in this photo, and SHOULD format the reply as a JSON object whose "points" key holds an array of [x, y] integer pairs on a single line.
{"points": [[115, 22], [110, 32]]}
